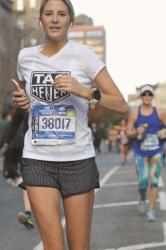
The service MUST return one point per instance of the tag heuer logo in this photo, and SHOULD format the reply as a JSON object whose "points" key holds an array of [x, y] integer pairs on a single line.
{"points": [[42, 86]]}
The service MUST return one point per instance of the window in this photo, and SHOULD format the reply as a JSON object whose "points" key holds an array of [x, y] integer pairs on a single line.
{"points": [[76, 34], [32, 4], [32, 23], [20, 5], [94, 33], [20, 22], [33, 41], [99, 49], [94, 42]]}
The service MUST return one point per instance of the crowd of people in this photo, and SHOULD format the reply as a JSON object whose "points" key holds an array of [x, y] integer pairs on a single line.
{"points": [[47, 145], [111, 138], [13, 127]]}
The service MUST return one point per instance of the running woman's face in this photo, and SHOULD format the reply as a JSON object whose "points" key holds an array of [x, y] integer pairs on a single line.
{"points": [[55, 20], [147, 98]]}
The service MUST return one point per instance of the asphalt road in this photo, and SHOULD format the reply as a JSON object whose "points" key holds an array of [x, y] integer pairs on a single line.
{"points": [[117, 223]]}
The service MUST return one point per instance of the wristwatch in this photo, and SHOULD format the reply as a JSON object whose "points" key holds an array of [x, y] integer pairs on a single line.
{"points": [[96, 96]]}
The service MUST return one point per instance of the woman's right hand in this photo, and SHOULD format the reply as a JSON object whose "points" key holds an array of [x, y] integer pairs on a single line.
{"points": [[20, 99], [140, 130]]}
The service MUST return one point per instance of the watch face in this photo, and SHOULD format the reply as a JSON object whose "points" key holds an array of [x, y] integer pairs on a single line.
{"points": [[97, 94]]}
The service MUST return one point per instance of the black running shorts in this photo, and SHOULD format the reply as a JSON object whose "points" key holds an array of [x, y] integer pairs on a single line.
{"points": [[72, 177]]}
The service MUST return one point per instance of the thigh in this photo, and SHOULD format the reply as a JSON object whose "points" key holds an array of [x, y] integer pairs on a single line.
{"points": [[45, 202], [156, 162], [78, 212], [142, 164], [121, 146]]}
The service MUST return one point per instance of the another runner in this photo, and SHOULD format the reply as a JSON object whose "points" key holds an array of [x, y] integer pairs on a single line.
{"points": [[145, 126]]}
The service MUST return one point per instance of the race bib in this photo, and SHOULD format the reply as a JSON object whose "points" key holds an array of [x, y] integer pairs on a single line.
{"points": [[53, 124], [151, 142]]}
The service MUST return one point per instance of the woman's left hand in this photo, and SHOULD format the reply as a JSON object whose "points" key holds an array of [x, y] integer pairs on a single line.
{"points": [[162, 133], [68, 83]]}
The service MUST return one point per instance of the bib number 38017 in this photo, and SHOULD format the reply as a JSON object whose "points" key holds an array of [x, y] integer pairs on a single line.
{"points": [[52, 125], [58, 123]]}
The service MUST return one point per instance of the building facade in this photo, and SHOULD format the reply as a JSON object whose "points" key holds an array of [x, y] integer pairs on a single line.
{"points": [[93, 36], [6, 46], [27, 21], [159, 99], [160, 95], [86, 33], [19, 27]]}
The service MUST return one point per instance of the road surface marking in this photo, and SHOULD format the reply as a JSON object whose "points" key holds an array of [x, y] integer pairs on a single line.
{"points": [[161, 184], [108, 175], [118, 204], [162, 200], [126, 172], [146, 245], [132, 183]]}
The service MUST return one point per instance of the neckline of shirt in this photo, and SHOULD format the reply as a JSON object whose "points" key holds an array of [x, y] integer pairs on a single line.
{"points": [[39, 48]]}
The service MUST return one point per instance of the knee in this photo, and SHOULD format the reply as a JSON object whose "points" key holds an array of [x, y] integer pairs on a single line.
{"points": [[153, 182], [81, 248], [143, 183], [153, 185], [52, 245]]}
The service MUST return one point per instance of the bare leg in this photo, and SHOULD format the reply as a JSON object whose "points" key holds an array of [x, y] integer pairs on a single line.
{"points": [[78, 212], [45, 202], [142, 193], [27, 205], [25, 217], [123, 153], [154, 173], [142, 174], [153, 193]]}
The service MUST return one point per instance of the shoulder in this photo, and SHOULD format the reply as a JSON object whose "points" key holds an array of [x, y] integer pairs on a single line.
{"points": [[82, 48], [78, 45], [27, 51], [88, 59], [134, 113], [160, 112]]}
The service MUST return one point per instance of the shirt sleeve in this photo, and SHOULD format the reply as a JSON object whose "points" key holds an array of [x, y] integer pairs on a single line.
{"points": [[93, 64], [19, 68]]}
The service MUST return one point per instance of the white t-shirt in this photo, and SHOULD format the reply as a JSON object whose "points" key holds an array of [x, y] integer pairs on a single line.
{"points": [[58, 123]]}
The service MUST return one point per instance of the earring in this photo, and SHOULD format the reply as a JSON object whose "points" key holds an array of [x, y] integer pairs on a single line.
{"points": [[70, 26], [41, 26]]}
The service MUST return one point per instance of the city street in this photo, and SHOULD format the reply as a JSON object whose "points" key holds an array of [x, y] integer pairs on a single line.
{"points": [[117, 224], [75, 73]]}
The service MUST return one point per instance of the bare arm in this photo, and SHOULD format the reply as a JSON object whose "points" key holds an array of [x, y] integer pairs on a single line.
{"points": [[162, 116], [111, 97], [131, 131]]}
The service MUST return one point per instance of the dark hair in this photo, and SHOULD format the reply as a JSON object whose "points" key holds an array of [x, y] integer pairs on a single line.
{"points": [[68, 4]]}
